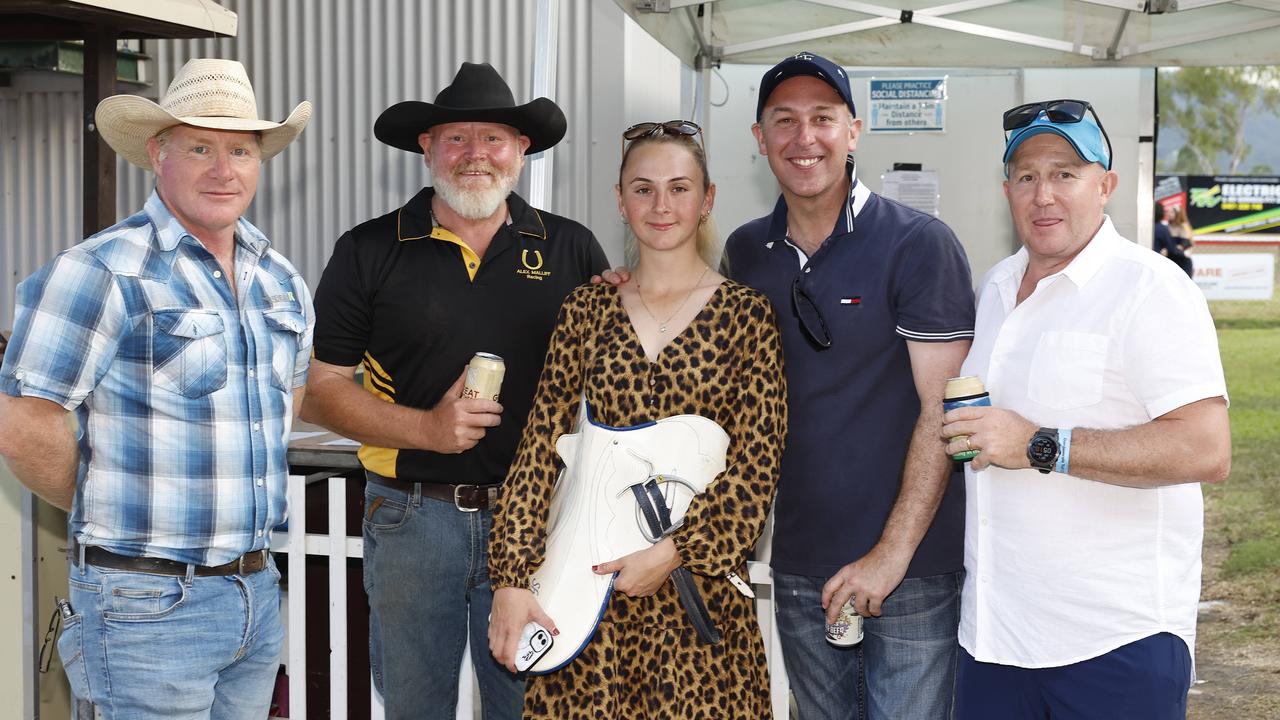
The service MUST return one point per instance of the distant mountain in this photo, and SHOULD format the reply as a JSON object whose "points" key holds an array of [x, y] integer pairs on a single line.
{"points": [[1262, 128]]}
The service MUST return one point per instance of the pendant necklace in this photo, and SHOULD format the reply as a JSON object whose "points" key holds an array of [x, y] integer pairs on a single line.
{"points": [[662, 324]]}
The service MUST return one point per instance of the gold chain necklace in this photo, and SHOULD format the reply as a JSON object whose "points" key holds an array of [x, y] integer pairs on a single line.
{"points": [[662, 324]]}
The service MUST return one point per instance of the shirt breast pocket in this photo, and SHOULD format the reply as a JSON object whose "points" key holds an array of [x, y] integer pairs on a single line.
{"points": [[1068, 369], [188, 352], [286, 328]]}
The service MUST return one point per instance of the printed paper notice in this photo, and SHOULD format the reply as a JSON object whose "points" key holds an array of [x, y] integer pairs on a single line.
{"points": [[913, 188]]}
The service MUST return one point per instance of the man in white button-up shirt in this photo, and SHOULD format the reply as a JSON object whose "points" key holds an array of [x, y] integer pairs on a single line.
{"points": [[1084, 516]]}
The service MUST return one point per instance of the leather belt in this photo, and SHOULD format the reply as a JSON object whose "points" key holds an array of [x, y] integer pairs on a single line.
{"points": [[247, 564], [467, 498]]}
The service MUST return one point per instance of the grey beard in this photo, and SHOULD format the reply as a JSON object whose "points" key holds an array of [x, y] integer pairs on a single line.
{"points": [[474, 204]]}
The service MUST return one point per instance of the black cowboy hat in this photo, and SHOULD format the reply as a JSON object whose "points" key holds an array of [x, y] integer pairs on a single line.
{"points": [[477, 94]]}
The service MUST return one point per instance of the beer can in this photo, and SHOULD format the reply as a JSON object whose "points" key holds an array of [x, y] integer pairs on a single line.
{"points": [[966, 391], [484, 377], [846, 631]]}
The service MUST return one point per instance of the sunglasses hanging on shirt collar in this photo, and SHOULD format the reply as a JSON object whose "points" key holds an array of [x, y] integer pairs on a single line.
{"points": [[811, 320]]}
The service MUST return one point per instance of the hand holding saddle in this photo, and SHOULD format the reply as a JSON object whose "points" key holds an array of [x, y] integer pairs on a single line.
{"points": [[641, 573]]}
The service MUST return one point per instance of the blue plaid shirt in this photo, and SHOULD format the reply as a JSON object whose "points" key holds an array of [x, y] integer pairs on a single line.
{"points": [[183, 392]]}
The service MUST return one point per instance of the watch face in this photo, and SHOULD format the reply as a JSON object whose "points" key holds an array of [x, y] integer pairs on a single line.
{"points": [[1043, 449]]}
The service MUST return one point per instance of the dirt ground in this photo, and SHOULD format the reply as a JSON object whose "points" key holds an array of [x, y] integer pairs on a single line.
{"points": [[1237, 649]]}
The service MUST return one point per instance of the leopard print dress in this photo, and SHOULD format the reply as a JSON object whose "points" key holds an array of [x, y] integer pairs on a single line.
{"points": [[645, 659]]}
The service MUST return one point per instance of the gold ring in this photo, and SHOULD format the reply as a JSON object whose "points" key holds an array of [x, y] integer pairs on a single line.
{"points": [[968, 445]]}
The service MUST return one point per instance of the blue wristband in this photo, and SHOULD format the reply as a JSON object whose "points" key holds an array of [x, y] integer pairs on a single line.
{"points": [[1064, 451]]}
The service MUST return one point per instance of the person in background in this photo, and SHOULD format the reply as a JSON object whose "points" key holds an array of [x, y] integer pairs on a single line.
{"points": [[1164, 242], [465, 266], [676, 338], [1108, 410], [180, 340], [1180, 228], [875, 308]]}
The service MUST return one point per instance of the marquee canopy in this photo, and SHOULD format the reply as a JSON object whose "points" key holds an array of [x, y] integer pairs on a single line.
{"points": [[970, 33]]}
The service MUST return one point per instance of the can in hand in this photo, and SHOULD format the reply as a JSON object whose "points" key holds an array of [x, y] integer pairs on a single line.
{"points": [[966, 391], [484, 377], [846, 631]]}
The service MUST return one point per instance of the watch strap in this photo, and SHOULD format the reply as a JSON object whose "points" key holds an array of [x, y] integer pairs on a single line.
{"points": [[1064, 451]]}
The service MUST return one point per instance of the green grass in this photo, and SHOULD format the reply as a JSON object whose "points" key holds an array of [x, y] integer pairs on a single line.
{"points": [[1238, 643], [1246, 314], [1246, 509], [1252, 556]]}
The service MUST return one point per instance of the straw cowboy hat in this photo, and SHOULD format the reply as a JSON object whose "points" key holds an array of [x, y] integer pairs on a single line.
{"points": [[477, 94], [206, 93]]}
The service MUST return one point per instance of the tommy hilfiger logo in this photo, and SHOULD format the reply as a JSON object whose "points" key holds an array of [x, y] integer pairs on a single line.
{"points": [[853, 300]]}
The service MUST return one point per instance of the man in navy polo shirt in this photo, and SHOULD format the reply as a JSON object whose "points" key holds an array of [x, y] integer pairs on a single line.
{"points": [[875, 305]]}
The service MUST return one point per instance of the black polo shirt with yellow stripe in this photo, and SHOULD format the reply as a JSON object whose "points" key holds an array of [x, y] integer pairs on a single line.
{"points": [[412, 303]]}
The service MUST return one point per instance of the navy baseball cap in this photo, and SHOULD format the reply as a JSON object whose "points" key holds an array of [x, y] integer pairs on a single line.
{"points": [[805, 63], [1073, 120]]}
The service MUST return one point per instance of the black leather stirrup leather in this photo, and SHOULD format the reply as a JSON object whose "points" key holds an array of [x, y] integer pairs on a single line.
{"points": [[653, 507]]}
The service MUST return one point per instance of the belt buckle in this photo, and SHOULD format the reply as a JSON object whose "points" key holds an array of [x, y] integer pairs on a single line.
{"points": [[457, 498], [240, 567]]}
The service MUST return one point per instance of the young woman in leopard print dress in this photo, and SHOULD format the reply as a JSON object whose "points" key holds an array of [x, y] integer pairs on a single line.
{"points": [[676, 338]]}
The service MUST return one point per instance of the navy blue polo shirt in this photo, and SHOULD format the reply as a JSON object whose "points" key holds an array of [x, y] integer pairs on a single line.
{"points": [[887, 274]]}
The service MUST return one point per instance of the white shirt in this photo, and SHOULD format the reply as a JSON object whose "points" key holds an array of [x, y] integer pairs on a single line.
{"points": [[1060, 569]]}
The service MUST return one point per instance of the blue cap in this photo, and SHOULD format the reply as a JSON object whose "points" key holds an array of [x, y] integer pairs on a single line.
{"points": [[805, 63], [1085, 138]]}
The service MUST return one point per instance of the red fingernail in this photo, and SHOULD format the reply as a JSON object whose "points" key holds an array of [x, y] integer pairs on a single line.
{"points": [[555, 632], [594, 568]]}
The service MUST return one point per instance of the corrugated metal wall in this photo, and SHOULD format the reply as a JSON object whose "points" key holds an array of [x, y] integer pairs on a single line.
{"points": [[352, 59], [39, 183]]}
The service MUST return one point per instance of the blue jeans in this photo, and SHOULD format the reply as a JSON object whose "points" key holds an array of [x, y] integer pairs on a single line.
{"points": [[904, 669], [1147, 679], [426, 571], [142, 646]]}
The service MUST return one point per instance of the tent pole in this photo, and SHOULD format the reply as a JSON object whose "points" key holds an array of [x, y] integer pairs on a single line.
{"points": [[545, 44]]}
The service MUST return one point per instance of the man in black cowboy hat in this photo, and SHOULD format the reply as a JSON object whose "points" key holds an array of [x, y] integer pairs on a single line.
{"points": [[466, 266]]}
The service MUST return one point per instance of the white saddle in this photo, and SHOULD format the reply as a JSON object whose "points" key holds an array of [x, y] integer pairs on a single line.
{"points": [[594, 516]]}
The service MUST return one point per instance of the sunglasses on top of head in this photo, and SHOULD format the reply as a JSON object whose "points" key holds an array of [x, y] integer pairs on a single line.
{"points": [[670, 127], [1059, 112]]}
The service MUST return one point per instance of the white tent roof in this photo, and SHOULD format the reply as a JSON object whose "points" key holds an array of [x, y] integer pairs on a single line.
{"points": [[971, 33]]}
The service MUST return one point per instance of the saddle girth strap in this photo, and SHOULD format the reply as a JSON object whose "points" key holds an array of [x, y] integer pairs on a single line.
{"points": [[653, 507]]}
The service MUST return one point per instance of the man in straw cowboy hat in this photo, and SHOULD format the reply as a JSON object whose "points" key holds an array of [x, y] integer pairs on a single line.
{"points": [[180, 340], [466, 266]]}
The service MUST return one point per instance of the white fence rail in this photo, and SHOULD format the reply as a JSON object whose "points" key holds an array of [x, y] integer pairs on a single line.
{"points": [[338, 547]]}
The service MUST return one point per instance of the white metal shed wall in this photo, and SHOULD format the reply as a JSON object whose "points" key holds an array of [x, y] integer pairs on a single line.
{"points": [[39, 181], [352, 59]]}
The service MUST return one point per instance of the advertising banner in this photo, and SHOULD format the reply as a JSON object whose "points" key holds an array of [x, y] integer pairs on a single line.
{"points": [[1244, 276], [907, 105], [1171, 191], [1230, 205]]}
